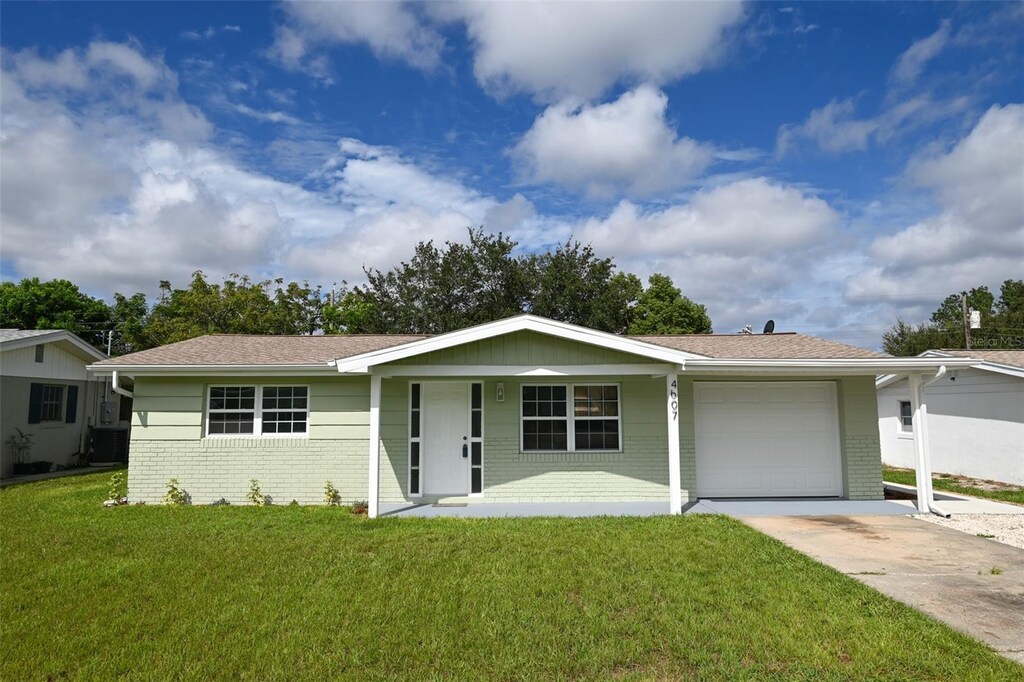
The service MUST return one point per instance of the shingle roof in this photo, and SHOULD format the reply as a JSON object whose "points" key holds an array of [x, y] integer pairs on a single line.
{"points": [[234, 349], [1013, 358], [784, 346], [18, 334], [227, 349]]}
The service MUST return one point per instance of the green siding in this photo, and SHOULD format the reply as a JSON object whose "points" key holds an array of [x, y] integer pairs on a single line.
{"points": [[524, 348]]}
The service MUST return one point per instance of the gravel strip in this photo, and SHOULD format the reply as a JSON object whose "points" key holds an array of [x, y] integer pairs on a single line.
{"points": [[1005, 528]]}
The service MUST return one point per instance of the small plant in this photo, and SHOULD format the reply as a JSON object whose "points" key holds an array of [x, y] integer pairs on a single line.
{"points": [[331, 495], [222, 502], [20, 444], [988, 536], [118, 491], [293, 503], [995, 570], [360, 507], [175, 496], [255, 495]]}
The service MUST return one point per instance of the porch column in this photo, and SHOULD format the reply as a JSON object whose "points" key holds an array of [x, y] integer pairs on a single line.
{"points": [[919, 427], [373, 499], [675, 505]]}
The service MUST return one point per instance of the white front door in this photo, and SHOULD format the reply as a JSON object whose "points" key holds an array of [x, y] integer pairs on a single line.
{"points": [[446, 438]]}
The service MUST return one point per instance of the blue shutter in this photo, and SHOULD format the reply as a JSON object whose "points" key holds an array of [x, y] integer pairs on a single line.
{"points": [[71, 414], [35, 403]]}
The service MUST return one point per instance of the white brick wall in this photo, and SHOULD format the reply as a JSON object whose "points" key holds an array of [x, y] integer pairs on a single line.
{"points": [[287, 469]]}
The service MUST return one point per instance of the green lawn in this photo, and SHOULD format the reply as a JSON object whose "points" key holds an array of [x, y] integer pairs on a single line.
{"points": [[941, 482], [315, 593]]}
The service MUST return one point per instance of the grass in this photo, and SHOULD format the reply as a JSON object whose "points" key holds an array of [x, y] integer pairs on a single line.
{"points": [[317, 593], [953, 485]]}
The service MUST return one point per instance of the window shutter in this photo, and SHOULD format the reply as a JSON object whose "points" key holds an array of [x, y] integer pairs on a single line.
{"points": [[35, 403], [71, 414]]}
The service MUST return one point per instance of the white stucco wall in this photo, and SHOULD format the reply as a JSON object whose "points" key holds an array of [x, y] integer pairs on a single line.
{"points": [[976, 426]]}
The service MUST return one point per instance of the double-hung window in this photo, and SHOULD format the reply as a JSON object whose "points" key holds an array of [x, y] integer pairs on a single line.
{"points": [[51, 406], [906, 417], [578, 418], [257, 410]]}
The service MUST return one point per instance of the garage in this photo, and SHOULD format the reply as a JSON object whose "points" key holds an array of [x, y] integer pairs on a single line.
{"points": [[767, 439]]}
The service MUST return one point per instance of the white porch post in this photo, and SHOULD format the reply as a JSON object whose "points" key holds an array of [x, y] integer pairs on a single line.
{"points": [[373, 499], [919, 426], [672, 413]]}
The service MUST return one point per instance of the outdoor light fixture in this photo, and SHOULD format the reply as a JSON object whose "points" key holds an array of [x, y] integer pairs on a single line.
{"points": [[501, 392]]}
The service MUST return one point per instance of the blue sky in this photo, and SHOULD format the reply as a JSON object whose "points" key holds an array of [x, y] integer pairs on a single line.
{"points": [[830, 165]]}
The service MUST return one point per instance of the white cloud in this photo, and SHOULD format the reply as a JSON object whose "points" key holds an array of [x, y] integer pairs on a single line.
{"points": [[575, 49], [912, 62], [977, 235], [267, 116], [550, 50], [625, 145], [738, 248], [391, 29], [835, 128]]}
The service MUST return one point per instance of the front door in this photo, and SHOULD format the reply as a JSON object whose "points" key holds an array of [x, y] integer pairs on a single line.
{"points": [[446, 438]]}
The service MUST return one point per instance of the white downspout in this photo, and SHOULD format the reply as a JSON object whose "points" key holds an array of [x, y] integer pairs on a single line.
{"points": [[117, 388], [925, 494]]}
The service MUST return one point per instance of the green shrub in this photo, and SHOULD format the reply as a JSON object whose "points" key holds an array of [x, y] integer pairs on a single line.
{"points": [[360, 507], [118, 486], [255, 495], [175, 496], [331, 495]]}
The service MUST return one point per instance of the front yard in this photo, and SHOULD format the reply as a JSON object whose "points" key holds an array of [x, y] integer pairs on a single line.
{"points": [[962, 485], [316, 593]]}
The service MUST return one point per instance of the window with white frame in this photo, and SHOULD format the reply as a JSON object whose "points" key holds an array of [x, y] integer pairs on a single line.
{"points": [[51, 405], [549, 425], [264, 410], [906, 417]]}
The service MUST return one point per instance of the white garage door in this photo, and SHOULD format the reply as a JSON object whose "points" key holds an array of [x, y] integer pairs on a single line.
{"points": [[767, 439]]}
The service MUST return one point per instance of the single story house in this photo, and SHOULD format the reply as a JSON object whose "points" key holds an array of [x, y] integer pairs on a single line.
{"points": [[976, 417], [519, 410], [45, 391]]}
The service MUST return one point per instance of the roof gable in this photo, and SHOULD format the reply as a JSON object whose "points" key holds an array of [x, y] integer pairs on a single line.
{"points": [[12, 339], [512, 325]]}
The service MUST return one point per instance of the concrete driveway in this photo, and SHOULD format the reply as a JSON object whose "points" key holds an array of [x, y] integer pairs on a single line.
{"points": [[943, 572]]}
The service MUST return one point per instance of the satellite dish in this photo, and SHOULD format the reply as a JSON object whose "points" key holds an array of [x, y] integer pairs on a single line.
{"points": [[769, 327]]}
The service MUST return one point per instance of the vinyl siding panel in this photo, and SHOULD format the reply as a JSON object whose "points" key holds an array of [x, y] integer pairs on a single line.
{"points": [[524, 348]]}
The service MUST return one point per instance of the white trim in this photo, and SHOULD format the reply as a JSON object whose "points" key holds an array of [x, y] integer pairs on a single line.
{"points": [[675, 505], [373, 497], [477, 439], [825, 366], [362, 362], [522, 370], [954, 362], [257, 425], [211, 370], [570, 418], [901, 429]]}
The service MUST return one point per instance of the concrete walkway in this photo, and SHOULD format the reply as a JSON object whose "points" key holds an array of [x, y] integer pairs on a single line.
{"points": [[972, 584]]}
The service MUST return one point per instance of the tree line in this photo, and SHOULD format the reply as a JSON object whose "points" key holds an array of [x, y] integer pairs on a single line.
{"points": [[1002, 323], [441, 289]]}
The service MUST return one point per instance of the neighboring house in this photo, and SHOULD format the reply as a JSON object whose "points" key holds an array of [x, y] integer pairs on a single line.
{"points": [[46, 391], [520, 410], [975, 415]]}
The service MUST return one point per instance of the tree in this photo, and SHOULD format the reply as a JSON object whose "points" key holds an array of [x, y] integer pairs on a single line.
{"points": [[129, 315], [56, 304], [1002, 323], [439, 289], [662, 309], [573, 285], [238, 306]]}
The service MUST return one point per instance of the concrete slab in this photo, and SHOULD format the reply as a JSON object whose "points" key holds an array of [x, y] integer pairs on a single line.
{"points": [[969, 505], [972, 584], [798, 507], [497, 509]]}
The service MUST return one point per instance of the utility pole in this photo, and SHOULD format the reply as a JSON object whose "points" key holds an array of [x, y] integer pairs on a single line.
{"points": [[110, 340], [967, 325]]}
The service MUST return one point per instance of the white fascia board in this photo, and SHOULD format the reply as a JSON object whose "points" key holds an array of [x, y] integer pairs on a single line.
{"points": [[524, 370], [362, 363], [987, 365], [856, 366], [209, 370]]}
